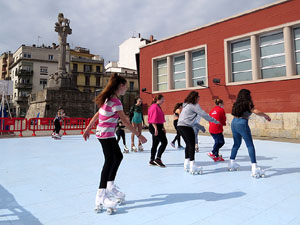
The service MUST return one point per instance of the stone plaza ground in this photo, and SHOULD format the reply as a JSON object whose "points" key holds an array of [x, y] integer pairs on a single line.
{"points": [[54, 182]]}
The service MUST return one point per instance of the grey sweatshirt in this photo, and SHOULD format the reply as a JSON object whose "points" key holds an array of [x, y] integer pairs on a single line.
{"points": [[189, 114]]}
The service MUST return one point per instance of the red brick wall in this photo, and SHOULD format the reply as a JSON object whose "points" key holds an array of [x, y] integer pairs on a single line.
{"points": [[275, 96]]}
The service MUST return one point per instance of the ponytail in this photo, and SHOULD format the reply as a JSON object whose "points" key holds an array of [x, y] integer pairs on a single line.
{"points": [[110, 89]]}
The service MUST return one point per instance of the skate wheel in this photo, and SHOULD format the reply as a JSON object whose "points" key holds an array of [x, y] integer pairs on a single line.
{"points": [[263, 175], [109, 211], [98, 209]]}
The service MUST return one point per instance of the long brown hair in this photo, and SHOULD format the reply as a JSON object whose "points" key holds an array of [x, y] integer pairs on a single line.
{"points": [[110, 89], [192, 98], [243, 103], [177, 106]]}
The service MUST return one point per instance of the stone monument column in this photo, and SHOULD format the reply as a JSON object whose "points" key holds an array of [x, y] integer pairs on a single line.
{"points": [[61, 79]]}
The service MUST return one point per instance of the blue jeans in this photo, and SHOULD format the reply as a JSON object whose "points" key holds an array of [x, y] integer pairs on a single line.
{"points": [[219, 142], [240, 129]]}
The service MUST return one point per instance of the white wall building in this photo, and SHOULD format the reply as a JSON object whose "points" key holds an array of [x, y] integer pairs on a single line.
{"points": [[127, 55], [30, 71]]}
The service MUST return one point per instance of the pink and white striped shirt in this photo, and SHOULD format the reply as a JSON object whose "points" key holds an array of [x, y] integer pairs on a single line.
{"points": [[108, 118]]}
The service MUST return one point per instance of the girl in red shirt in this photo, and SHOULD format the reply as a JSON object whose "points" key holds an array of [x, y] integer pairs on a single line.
{"points": [[216, 130]]}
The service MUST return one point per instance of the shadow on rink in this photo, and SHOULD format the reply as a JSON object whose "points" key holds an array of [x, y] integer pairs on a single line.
{"points": [[166, 199], [12, 213]]}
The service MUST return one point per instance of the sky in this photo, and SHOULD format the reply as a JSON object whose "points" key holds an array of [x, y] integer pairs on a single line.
{"points": [[102, 25]]}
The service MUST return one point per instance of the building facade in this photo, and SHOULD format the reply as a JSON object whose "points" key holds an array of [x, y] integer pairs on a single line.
{"points": [[29, 72], [258, 50], [6, 60], [87, 69]]}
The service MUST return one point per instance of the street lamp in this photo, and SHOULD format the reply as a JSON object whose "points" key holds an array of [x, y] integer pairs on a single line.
{"points": [[145, 91]]}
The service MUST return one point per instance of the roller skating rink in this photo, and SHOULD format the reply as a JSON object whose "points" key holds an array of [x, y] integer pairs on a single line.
{"points": [[49, 182]]}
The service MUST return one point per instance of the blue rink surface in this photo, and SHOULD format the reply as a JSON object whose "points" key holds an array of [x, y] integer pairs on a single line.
{"points": [[54, 182]]}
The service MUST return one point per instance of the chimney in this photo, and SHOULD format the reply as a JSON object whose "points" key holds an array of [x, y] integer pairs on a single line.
{"points": [[139, 35], [151, 38]]}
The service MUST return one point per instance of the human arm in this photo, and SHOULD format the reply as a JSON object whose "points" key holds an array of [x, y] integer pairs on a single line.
{"points": [[262, 114], [203, 114], [155, 129], [130, 127], [86, 133]]}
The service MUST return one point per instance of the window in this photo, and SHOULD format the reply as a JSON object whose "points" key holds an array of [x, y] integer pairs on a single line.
{"points": [[241, 66], [272, 55], [87, 80], [87, 68], [297, 49], [50, 57], [26, 55], [179, 72], [75, 67], [43, 82], [162, 75], [98, 69], [98, 81], [44, 70], [198, 67], [131, 85]]}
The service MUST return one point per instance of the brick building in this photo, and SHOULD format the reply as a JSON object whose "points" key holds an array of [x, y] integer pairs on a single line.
{"points": [[258, 50]]}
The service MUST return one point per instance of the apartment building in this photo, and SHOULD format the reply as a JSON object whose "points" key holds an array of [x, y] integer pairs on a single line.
{"points": [[86, 69], [29, 72]]}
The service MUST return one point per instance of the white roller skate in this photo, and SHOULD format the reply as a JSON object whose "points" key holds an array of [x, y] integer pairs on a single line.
{"points": [[126, 150], [102, 200], [195, 168], [186, 165], [233, 166], [258, 172], [134, 149], [141, 148], [113, 191]]}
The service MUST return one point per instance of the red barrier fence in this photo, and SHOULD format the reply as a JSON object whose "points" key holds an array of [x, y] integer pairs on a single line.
{"points": [[40, 124], [11, 125], [74, 124]]}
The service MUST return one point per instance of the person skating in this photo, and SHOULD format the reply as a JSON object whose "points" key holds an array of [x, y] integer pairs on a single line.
{"points": [[156, 119], [216, 130], [110, 109], [242, 110], [187, 119], [60, 115], [120, 132], [137, 121], [176, 112]]}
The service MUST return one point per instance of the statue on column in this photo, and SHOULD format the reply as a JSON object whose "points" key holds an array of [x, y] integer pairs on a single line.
{"points": [[59, 79]]}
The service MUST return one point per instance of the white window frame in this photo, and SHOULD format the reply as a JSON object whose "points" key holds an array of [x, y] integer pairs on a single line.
{"points": [[175, 64], [193, 69], [170, 73], [161, 75], [227, 56]]}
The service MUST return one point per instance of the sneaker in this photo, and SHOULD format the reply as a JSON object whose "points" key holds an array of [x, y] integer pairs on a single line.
{"points": [[219, 159], [180, 147], [126, 150], [141, 148], [212, 156], [152, 163], [172, 144], [159, 163]]}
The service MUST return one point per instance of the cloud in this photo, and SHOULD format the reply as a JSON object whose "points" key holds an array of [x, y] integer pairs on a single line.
{"points": [[103, 25]]}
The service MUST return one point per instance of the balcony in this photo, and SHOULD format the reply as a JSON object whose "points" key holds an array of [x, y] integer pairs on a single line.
{"points": [[23, 86], [25, 73]]}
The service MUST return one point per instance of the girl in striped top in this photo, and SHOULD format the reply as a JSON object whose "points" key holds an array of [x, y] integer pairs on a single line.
{"points": [[110, 109]]}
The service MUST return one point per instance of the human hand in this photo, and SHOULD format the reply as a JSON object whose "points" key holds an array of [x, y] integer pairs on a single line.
{"points": [[267, 118], [142, 139], [155, 132], [86, 134]]}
